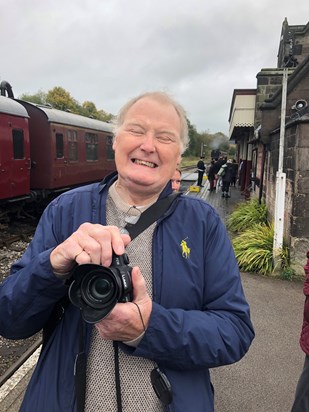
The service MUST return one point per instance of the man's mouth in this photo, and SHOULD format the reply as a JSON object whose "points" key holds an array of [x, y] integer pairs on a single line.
{"points": [[144, 163]]}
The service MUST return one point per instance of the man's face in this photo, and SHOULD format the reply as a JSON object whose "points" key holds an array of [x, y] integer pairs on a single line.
{"points": [[176, 180], [147, 146]]}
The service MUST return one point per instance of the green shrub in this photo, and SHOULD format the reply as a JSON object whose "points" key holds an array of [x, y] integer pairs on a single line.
{"points": [[246, 215], [254, 249], [254, 252]]}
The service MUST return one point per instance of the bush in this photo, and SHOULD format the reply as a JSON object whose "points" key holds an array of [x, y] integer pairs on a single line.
{"points": [[254, 252], [246, 215], [253, 249]]}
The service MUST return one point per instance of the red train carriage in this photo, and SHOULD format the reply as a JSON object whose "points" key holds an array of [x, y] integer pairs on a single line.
{"points": [[67, 149], [14, 150]]}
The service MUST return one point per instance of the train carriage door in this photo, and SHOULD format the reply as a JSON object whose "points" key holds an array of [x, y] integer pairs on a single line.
{"points": [[61, 159], [19, 179]]}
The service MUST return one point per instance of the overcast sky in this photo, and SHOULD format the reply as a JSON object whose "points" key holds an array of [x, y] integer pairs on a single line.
{"points": [[108, 51]]}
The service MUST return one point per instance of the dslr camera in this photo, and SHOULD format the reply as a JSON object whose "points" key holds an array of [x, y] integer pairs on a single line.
{"points": [[96, 289]]}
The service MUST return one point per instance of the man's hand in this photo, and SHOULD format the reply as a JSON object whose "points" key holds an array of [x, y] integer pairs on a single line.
{"points": [[124, 323], [91, 243]]}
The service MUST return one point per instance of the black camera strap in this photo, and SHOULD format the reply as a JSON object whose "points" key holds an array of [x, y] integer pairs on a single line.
{"points": [[149, 216]]}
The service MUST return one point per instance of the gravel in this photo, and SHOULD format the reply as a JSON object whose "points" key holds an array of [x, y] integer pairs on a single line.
{"points": [[11, 350]]}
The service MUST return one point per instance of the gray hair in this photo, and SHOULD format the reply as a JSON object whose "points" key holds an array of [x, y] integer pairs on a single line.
{"points": [[163, 97]]}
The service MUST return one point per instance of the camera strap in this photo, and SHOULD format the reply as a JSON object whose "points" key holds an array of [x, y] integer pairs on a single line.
{"points": [[150, 215]]}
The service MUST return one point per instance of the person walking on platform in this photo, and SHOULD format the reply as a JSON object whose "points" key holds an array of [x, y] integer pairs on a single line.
{"points": [[200, 170], [301, 402], [155, 293], [226, 173], [234, 173], [218, 163], [211, 176]]}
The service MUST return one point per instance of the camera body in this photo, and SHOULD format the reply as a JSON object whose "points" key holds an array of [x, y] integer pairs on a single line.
{"points": [[96, 289]]}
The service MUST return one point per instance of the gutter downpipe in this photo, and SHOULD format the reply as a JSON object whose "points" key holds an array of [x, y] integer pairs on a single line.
{"points": [[280, 182]]}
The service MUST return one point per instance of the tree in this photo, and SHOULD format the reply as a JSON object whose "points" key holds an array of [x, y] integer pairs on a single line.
{"points": [[60, 99], [89, 109], [37, 98], [193, 135]]}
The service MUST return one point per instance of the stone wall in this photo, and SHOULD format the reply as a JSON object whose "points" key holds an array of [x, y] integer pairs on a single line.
{"points": [[296, 167]]}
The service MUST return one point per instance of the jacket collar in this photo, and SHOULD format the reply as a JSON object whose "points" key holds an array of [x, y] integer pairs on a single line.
{"points": [[112, 177]]}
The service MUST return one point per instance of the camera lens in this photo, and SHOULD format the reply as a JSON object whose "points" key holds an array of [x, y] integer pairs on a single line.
{"points": [[98, 288], [101, 288]]}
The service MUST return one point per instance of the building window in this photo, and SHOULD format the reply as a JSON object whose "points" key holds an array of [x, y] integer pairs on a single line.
{"points": [[72, 145], [18, 144], [59, 145], [91, 141]]}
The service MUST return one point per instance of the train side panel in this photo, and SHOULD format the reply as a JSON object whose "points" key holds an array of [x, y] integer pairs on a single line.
{"points": [[14, 150], [67, 149], [40, 147], [78, 156]]}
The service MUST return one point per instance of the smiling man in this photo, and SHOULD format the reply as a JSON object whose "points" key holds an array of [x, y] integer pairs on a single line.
{"points": [[186, 312]]}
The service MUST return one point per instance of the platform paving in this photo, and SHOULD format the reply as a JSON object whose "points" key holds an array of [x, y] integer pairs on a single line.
{"points": [[265, 379]]}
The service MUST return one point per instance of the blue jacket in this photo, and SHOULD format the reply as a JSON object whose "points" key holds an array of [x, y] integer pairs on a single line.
{"points": [[200, 318]]}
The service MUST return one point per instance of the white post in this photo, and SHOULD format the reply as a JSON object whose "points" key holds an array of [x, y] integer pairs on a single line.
{"points": [[280, 179]]}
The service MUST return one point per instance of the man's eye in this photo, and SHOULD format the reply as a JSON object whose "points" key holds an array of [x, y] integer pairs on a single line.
{"points": [[136, 131], [164, 139]]}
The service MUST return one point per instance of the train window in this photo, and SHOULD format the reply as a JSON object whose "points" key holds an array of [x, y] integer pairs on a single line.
{"points": [[72, 145], [59, 145], [91, 140], [73, 152], [110, 155], [18, 144]]}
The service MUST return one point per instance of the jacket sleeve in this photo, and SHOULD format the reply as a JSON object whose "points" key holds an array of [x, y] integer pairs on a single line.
{"points": [[28, 294], [306, 283], [218, 330]]}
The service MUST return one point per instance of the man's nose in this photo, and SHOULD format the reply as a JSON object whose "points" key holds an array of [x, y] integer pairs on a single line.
{"points": [[149, 141]]}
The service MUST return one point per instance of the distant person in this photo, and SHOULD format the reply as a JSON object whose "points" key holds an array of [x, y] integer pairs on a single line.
{"points": [[211, 176], [301, 402], [225, 174], [200, 170], [234, 173], [176, 180], [218, 163]]}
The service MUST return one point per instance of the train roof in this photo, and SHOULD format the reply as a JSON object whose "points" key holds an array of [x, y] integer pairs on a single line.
{"points": [[10, 106], [71, 119]]}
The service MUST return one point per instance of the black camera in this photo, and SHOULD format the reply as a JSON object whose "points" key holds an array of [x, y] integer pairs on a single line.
{"points": [[96, 289]]}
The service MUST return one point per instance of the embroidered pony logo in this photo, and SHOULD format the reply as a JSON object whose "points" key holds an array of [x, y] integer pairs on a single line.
{"points": [[185, 250]]}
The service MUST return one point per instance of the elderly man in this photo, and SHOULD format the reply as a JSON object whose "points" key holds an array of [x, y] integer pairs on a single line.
{"points": [[187, 312]]}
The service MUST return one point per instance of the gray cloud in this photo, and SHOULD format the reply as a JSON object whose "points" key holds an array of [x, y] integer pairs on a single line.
{"points": [[108, 51]]}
